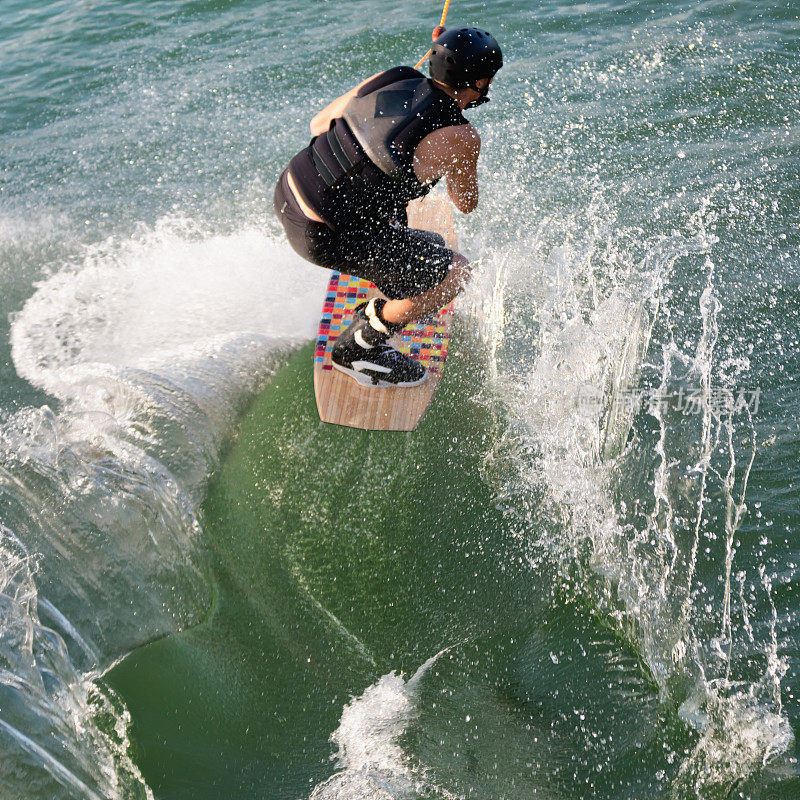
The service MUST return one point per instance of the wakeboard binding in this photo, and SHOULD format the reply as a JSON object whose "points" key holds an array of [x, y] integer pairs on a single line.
{"points": [[361, 351]]}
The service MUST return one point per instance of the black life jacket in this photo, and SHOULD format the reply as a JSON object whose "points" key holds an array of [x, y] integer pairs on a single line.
{"points": [[361, 168]]}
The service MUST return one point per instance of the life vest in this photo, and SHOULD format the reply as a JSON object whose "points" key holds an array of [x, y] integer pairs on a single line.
{"points": [[361, 168]]}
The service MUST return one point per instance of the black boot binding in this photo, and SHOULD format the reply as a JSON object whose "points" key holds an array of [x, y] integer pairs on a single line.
{"points": [[361, 351]]}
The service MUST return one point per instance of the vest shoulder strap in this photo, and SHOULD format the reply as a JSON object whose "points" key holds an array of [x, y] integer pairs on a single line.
{"points": [[388, 76], [390, 120]]}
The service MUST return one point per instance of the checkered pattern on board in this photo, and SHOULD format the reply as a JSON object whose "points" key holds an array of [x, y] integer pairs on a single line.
{"points": [[344, 293], [426, 340]]}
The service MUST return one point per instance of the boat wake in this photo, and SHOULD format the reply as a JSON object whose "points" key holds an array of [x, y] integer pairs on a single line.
{"points": [[149, 347]]}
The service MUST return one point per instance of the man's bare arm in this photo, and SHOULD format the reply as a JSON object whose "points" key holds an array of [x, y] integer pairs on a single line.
{"points": [[452, 153], [322, 121]]}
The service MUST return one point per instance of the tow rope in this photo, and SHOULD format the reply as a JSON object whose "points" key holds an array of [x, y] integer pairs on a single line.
{"points": [[441, 25]]}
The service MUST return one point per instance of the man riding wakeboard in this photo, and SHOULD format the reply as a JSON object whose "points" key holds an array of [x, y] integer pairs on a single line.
{"points": [[342, 200]]}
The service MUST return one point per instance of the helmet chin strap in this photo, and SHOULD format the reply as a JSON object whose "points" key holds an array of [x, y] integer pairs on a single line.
{"points": [[480, 100]]}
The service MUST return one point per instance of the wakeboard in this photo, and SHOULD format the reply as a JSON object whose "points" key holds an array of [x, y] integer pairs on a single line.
{"points": [[341, 399]]}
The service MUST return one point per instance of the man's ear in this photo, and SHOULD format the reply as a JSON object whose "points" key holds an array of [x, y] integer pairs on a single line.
{"points": [[482, 83]]}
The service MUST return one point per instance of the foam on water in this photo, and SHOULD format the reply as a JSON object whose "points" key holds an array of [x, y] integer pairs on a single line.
{"points": [[161, 298], [149, 345], [371, 763]]}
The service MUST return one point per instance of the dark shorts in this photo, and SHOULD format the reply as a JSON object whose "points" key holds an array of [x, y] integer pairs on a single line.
{"points": [[401, 262]]}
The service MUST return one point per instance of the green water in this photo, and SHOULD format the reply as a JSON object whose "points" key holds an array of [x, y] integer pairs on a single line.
{"points": [[388, 558], [326, 582]]}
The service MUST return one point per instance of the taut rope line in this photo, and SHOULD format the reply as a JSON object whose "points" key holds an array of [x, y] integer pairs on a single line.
{"points": [[441, 25]]}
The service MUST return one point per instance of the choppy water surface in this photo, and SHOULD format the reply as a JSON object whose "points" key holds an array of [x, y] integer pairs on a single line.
{"points": [[578, 578]]}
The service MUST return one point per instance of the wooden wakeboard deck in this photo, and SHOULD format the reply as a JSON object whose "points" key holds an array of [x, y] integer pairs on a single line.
{"points": [[341, 399]]}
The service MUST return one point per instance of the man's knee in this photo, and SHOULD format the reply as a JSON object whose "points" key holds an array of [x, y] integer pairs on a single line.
{"points": [[460, 272]]}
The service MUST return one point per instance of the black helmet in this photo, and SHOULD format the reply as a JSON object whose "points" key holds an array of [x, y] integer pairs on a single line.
{"points": [[461, 56]]}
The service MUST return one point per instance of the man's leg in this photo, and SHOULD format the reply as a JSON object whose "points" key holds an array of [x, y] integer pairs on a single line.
{"points": [[361, 350], [401, 312]]}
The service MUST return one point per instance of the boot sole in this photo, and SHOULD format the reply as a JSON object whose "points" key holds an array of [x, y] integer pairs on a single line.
{"points": [[365, 380]]}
